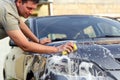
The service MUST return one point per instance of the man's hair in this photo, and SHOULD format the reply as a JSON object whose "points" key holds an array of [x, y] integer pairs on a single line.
{"points": [[24, 1]]}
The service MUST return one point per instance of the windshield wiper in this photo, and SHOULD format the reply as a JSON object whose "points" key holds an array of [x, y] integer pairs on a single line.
{"points": [[106, 36], [59, 39], [111, 35]]}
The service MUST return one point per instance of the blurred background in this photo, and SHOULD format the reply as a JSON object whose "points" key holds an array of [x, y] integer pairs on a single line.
{"points": [[88, 7], [109, 8]]}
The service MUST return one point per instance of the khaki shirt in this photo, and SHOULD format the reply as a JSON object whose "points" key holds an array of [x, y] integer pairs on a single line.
{"points": [[9, 17]]}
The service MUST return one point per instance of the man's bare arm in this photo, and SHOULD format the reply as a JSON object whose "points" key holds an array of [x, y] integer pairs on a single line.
{"points": [[27, 32], [18, 37]]}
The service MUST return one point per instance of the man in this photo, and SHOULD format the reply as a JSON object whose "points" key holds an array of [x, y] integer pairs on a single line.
{"points": [[11, 25]]}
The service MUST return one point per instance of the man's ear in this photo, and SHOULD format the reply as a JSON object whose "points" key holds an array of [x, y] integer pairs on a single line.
{"points": [[18, 2]]}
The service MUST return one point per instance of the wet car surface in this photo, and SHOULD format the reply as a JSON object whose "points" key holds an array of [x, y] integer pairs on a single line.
{"points": [[97, 57]]}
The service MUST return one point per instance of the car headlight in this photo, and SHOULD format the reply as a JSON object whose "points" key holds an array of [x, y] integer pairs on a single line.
{"points": [[74, 69]]}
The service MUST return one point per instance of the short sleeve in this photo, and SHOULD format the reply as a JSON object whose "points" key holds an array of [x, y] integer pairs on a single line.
{"points": [[9, 20]]}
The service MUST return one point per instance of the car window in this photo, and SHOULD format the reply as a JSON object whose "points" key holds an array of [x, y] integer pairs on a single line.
{"points": [[76, 27], [108, 29]]}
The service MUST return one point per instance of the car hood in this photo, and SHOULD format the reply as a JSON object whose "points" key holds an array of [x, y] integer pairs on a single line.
{"points": [[105, 54]]}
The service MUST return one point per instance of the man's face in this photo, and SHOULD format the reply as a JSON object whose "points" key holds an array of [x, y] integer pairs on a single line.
{"points": [[25, 9]]}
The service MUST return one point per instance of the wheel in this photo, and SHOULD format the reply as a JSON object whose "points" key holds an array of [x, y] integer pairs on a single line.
{"points": [[4, 75], [30, 76]]}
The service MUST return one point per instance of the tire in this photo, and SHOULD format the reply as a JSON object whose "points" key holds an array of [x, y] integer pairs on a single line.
{"points": [[4, 75], [30, 76]]}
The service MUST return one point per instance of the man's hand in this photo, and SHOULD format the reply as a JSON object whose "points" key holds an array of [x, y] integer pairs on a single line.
{"points": [[45, 40], [67, 48]]}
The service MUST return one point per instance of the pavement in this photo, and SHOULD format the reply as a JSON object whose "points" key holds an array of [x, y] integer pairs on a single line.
{"points": [[4, 50]]}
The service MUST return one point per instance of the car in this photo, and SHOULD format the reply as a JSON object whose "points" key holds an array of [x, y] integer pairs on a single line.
{"points": [[97, 56]]}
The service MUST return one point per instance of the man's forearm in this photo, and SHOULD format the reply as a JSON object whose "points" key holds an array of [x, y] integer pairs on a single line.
{"points": [[27, 32], [34, 47]]}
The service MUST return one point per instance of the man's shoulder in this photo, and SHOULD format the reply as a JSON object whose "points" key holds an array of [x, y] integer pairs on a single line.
{"points": [[9, 6], [7, 3]]}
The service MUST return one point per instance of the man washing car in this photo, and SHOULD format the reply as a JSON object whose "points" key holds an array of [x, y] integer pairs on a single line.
{"points": [[11, 25]]}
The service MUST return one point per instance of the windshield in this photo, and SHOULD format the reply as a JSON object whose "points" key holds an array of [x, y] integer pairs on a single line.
{"points": [[76, 27]]}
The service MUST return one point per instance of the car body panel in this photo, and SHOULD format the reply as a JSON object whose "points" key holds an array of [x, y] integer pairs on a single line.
{"points": [[16, 62], [14, 56]]}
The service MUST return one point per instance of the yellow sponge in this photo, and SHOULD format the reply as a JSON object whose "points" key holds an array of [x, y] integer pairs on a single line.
{"points": [[74, 49]]}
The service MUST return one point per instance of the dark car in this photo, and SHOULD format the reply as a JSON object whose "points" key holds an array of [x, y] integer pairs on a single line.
{"points": [[97, 57]]}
